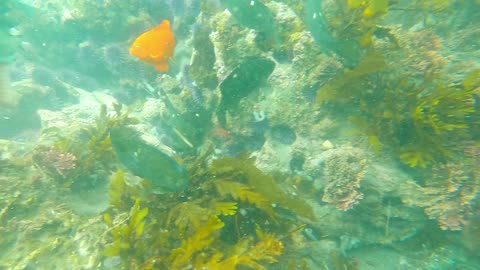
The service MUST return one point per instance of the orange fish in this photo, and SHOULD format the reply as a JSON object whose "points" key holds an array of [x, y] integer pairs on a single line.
{"points": [[155, 46]]}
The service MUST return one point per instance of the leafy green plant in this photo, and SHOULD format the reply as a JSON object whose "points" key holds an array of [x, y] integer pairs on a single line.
{"points": [[122, 195], [247, 253], [197, 229], [419, 122], [349, 85], [88, 151], [243, 170], [127, 234], [358, 19]]}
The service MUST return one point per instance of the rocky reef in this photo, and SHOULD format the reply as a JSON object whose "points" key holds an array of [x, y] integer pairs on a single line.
{"points": [[285, 135]]}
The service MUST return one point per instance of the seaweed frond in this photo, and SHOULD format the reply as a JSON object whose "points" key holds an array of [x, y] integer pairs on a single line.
{"points": [[191, 215], [349, 85], [358, 19], [126, 235], [200, 240], [224, 208], [472, 81], [246, 253], [239, 191], [244, 170], [444, 110], [117, 190], [122, 195]]}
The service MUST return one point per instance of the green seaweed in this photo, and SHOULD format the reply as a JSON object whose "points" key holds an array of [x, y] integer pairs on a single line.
{"points": [[252, 256], [244, 170], [117, 190], [241, 192], [420, 122], [417, 121], [94, 149], [121, 194], [194, 231], [472, 81], [436, 116], [350, 84], [190, 216], [91, 150], [126, 235], [375, 8], [358, 20]]}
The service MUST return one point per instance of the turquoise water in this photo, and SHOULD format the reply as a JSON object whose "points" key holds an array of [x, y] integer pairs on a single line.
{"points": [[239, 135]]}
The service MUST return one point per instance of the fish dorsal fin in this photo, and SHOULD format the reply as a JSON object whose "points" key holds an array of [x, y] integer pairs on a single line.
{"points": [[165, 24]]}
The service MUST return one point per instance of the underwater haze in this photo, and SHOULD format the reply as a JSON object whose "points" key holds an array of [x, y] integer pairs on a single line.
{"points": [[240, 134]]}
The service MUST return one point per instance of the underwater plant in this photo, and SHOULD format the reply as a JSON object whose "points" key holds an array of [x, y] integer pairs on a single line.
{"points": [[357, 19], [413, 120], [348, 86], [121, 194], [224, 220], [245, 171], [127, 233], [73, 160]]}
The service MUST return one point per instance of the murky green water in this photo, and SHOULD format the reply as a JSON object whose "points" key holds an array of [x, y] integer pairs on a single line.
{"points": [[239, 134]]}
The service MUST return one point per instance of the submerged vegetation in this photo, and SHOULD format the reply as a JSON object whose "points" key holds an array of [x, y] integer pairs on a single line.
{"points": [[286, 135], [415, 112], [228, 220], [414, 120], [67, 159]]}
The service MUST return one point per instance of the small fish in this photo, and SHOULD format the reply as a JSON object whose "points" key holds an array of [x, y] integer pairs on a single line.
{"points": [[255, 15], [319, 28], [148, 161], [243, 80], [155, 46]]}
